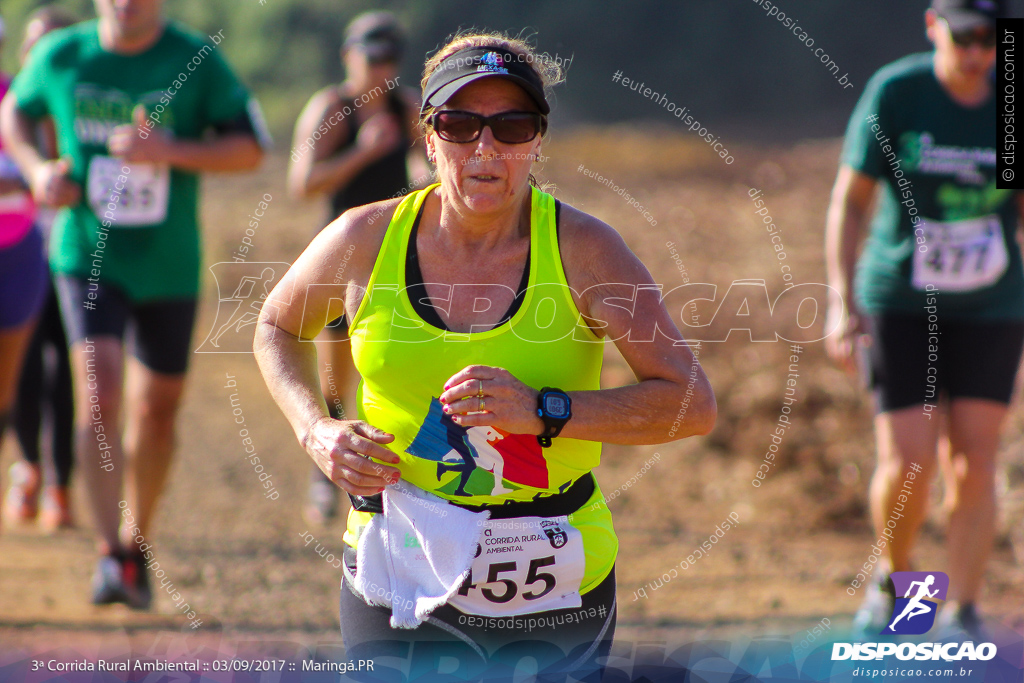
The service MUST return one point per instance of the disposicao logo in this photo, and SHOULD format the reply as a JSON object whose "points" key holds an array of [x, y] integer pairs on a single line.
{"points": [[914, 614], [949, 652], [915, 611]]}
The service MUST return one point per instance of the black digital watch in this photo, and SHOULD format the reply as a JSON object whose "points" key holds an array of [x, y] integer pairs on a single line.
{"points": [[554, 407]]}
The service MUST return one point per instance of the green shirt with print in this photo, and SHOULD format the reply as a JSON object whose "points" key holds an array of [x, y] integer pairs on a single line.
{"points": [[136, 227], [941, 224]]}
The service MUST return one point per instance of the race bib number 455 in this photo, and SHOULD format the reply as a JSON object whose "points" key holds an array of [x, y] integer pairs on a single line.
{"points": [[138, 201], [962, 256], [523, 565]]}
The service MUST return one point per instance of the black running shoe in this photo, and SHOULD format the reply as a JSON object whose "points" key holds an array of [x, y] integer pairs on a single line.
{"points": [[136, 582]]}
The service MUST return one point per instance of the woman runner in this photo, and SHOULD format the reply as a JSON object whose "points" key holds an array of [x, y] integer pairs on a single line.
{"points": [[478, 309]]}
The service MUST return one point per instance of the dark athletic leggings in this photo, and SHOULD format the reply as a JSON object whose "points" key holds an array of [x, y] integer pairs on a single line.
{"points": [[560, 641], [44, 405]]}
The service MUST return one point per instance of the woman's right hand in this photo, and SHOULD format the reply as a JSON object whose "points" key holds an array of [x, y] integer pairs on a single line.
{"points": [[842, 344], [342, 450]]}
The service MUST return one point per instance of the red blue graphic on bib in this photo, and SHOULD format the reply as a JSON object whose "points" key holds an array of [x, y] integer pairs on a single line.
{"points": [[487, 461], [917, 594]]}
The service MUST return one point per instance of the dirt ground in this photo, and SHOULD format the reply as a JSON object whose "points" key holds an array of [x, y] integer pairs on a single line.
{"points": [[239, 560]]}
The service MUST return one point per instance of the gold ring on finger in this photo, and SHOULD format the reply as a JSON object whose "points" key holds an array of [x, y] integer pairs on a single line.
{"points": [[481, 403], [480, 388]]}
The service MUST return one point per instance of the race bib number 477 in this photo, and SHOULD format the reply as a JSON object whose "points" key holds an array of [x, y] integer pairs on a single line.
{"points": [[961, 256]]}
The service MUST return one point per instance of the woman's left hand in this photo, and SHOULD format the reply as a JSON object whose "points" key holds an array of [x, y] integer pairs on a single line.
{"points": [[505, 403]]}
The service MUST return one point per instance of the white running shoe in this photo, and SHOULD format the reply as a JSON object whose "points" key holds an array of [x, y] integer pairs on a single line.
{"points": [[108, 581], [875, 612]]}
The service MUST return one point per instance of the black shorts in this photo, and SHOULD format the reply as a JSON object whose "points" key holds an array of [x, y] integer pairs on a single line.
{"points": [[158, 333], [913, 362]]}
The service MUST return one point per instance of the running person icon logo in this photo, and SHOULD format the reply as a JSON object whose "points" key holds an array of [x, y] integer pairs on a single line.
{"points": [[241, 290], [914, 613]]}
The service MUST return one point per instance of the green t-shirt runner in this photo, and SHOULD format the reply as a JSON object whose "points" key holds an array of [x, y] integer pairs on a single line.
{"points": [[940, 220], [150, 248]]}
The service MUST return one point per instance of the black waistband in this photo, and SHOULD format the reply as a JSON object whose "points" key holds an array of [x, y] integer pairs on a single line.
{"points": [[546, 506], [374, 504], [555, 505]]}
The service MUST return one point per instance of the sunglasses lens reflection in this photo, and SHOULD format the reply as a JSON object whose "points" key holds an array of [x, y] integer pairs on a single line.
{"points": [[513, 128], [458, 127], [516, 128]]}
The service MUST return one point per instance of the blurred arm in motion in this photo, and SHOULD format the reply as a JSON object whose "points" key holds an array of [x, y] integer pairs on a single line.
{"points": [[11, 185], [47, 178], [223, 153], [846, 225], [320, 168], [232, 148]]}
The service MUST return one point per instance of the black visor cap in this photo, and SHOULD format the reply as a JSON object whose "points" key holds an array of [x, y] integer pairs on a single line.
{"points": [[471, 64]]}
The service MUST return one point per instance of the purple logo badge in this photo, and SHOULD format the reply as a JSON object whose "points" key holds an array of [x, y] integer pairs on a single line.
{"points": [[917, 596]]}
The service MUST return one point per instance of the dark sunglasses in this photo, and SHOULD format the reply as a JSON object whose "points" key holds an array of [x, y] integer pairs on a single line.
{"points": [[510, 127], [987, 38]]}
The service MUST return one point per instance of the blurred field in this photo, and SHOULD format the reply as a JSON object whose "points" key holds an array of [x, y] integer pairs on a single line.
{"points": [[238, 558]]}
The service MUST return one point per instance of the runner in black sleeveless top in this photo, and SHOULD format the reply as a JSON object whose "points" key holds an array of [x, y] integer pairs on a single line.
{"points": [[383, 178], [354, 143]]}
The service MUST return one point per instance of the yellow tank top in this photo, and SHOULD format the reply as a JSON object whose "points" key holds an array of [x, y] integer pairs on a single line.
{"points": [[404, 363]]}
